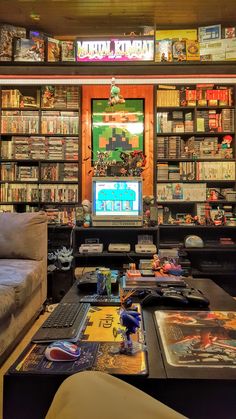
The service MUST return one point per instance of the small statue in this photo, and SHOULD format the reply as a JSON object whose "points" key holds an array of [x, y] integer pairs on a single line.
{"points": [[130, 319], [86, 205], [156, 263], [115, 96], [64, 257]]}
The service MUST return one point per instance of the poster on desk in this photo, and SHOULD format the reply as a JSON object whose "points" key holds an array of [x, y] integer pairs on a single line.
{"points": [[198, 338]]}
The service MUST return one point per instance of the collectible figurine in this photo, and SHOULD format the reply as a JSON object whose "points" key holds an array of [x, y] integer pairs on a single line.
{"points": [[115, 96], [130, 319], [219, 218], [156, 263], [86, 204]]}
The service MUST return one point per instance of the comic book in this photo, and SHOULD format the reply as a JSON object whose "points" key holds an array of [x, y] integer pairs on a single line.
{"points": [[198, 338]]}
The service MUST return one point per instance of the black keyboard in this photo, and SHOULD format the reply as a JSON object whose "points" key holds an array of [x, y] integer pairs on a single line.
{"points": [[101, 300], [65, 323]]}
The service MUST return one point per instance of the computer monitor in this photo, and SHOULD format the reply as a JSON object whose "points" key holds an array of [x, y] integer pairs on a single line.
{"points": [[117, 201]]}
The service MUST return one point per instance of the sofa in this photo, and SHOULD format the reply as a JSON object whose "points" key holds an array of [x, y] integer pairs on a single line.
{"points": [[23, 275]]}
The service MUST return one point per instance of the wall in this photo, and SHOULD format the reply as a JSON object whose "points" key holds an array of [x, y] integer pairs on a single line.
{"points": [[103, 92]]}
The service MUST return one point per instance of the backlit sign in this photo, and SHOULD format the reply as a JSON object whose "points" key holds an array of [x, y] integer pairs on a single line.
{"points": [[135, 49]]}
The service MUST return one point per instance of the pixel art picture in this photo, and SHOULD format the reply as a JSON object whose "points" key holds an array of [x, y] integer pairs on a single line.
{"points": [[118, 128]]}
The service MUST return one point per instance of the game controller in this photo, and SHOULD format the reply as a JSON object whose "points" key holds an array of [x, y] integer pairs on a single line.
{"points": [[195, 297], [62, 351], [176, 297]]}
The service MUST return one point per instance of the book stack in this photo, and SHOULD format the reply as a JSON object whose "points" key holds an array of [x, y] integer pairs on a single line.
{"points": [[71, 148], [162, 171], [37, 148], [11, 98], [26, 173]]}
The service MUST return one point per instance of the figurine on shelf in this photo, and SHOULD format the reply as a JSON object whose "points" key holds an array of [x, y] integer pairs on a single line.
{"points": [[226, 142], [219, 218], [115, 96], [156, 263], [86, 205], [102, 163]]}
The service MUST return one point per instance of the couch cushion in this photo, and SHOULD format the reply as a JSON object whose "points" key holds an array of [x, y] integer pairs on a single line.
{"points": [[24, 276], [23, 235], [7, 301]]}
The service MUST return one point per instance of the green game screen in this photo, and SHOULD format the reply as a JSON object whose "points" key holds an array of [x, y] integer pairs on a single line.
{"points": [[117, 128]]}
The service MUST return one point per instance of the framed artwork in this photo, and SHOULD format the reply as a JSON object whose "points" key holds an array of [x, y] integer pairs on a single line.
{"points": [[29, 49], [118, 128], [67, 51], [53, 50]]}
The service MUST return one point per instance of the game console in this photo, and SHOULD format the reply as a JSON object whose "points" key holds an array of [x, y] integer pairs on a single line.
{"points": [[119, 247], [91, 248], [149, 248]]}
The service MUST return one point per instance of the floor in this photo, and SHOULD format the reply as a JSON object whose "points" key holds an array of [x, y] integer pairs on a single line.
{"points": [[17, 352]]}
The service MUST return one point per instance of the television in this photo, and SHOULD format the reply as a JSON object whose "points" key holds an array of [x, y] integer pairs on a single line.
{"points": [[117, 201]]}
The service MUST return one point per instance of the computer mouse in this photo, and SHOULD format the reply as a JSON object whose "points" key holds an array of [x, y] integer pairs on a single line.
{"points": [[62, 351]]}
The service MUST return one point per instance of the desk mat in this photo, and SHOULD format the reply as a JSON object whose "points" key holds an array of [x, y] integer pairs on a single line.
{"points": [[198, 338], [95, 354]]}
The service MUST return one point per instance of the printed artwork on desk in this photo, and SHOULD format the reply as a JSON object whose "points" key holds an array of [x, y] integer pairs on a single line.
{"points": [[117, 129], [198, 338]]}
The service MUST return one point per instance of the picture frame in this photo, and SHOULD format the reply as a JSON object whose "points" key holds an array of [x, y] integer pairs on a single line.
{"points": [[209, 33], [117, 129], [68, 51], [30, 50], [53, 50]]}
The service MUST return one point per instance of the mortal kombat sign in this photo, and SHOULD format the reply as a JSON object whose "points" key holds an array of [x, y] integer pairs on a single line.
{"points": [[135, 49]]}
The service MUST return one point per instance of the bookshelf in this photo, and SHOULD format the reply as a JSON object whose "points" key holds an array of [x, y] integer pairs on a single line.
{"points": [[40, 165], [194, 174]]}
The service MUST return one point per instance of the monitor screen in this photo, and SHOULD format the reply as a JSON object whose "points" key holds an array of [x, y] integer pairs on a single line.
{"points": [[117, 201]]}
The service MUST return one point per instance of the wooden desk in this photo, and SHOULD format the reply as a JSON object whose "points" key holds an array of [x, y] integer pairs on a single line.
{"points": [[197, 393]]}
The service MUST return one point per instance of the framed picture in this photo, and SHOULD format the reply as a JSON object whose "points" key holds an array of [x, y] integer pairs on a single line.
{"points": [[209, 33], [53, 50], [67, 51], [29, 50], [117, 129]]}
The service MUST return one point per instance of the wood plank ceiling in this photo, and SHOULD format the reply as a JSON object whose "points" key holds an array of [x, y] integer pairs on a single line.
{"points": [[114, 17]]}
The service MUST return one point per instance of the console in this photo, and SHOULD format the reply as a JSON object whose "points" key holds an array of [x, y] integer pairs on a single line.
{"points": [[119, 247], [117, 201]]}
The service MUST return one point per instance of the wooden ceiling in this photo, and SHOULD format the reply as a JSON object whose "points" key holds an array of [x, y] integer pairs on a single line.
{"points": [[114, 17]]}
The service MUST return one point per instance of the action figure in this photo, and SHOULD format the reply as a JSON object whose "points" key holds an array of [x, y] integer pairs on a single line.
{"points": [[115, 96], [130, 319]]}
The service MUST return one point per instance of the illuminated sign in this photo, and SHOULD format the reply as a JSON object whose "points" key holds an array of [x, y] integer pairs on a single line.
{"points": [[136, 49]]}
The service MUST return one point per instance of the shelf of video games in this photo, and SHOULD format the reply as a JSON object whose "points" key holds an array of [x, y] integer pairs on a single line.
{"points": [[195, 184], [39, 149]]}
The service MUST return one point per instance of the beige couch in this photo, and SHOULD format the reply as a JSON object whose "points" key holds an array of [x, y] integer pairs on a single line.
{"points": [[23, 274]]}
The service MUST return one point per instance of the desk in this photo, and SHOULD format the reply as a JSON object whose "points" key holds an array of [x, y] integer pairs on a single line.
{"points": [[197, 393]]}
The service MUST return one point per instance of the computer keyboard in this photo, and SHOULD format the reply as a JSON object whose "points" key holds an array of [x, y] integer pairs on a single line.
{"points": [[63, 316], [65, 323]]}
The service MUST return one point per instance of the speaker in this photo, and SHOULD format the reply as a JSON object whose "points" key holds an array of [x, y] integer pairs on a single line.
{"points": [[153, 215], [79, 215], [59, 284]]}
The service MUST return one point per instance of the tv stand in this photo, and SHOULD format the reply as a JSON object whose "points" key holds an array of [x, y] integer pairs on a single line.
{"points": [[111, 235]]}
